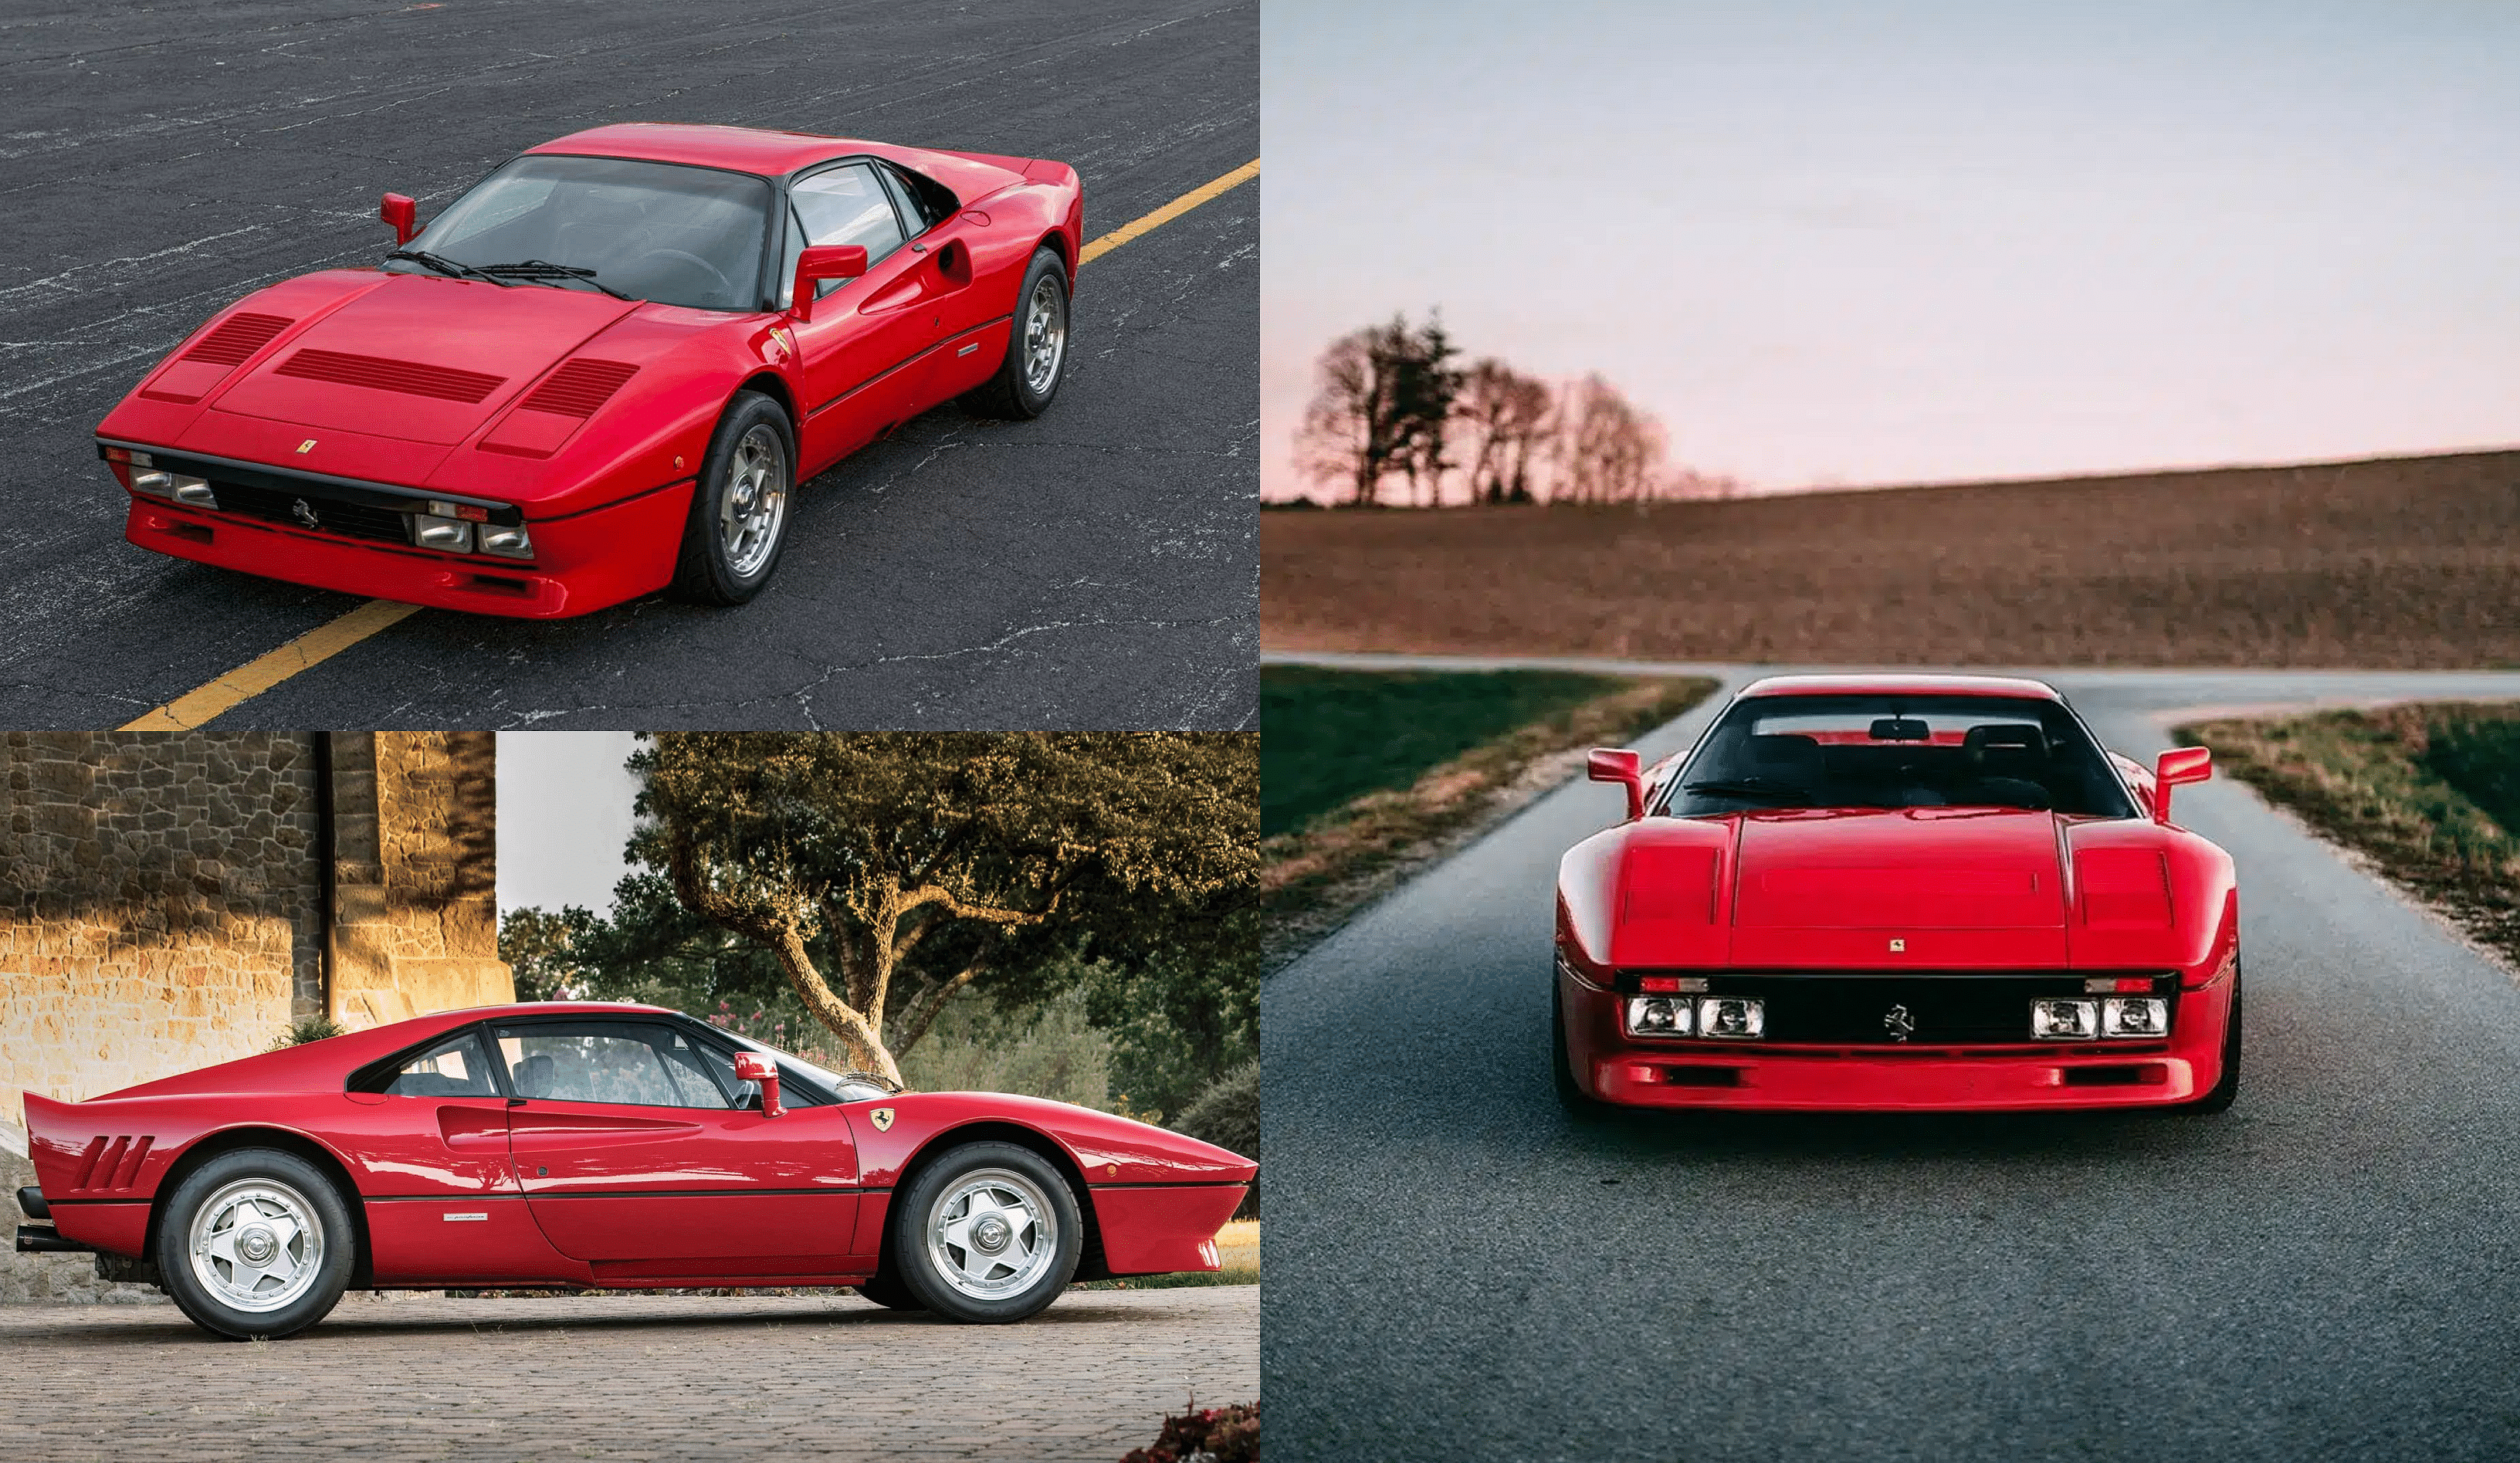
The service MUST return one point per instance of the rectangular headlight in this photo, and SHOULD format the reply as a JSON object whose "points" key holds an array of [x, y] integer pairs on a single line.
{"points": [[154, 484], [430, 531], [192, 490], [2134, 1018], [2064, 1020], [508, 541], [1657, 1016], [1732, 1016]]}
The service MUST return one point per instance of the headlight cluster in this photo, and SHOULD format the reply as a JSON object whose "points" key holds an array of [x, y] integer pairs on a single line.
{"points": [[463, 528], [1721, 1017], [155, 481], [2122, 1018]]}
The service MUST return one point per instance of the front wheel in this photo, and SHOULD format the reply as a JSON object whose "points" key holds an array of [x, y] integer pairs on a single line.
{"points": [[255, 1244], [2220, 1096], [738, 518], [988, 1233], [1036, 358]]}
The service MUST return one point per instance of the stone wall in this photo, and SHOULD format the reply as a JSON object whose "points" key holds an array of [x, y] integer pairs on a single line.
{"points": [[416, 927]]}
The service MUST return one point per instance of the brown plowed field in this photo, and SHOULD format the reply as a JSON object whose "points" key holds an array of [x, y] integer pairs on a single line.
{"points": [[2395, 562]]}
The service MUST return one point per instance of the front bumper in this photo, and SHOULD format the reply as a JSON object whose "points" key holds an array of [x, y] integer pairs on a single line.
{"points": [[1882, 1078], [581, 563]]}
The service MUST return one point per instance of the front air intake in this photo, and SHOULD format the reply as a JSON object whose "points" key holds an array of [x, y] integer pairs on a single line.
{"points": [[237, 337], [578, 388], [378, 374]]}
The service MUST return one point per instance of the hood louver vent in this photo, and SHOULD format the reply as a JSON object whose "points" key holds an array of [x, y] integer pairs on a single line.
{"points": [[237, 337], [377, 374], [578, 388]]}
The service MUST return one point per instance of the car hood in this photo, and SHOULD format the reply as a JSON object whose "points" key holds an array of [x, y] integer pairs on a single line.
{"points": [[1905, 868], [421, 358]]}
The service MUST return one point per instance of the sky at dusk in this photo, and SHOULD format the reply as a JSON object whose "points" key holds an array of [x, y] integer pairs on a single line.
{"points": [[1868, 244]]}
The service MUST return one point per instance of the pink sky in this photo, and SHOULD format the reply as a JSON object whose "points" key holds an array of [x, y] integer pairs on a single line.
{"points": [[1830, 246]]}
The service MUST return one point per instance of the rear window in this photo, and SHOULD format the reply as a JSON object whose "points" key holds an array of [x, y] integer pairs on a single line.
{"points": [[1883, 751]]}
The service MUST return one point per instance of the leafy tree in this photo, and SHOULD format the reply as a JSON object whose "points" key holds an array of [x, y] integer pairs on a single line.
{"points": [[883, 875]]}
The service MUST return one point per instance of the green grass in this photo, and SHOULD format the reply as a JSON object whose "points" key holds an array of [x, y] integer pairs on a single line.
{"points": [[1331, 736], [2430, 793]]}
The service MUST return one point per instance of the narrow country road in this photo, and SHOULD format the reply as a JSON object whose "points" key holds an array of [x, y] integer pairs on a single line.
{"points": [[2331, 1269]]}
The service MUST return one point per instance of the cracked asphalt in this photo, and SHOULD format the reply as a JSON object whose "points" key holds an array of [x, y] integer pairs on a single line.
{"points": [[2331, 1269], [1097, 567]]}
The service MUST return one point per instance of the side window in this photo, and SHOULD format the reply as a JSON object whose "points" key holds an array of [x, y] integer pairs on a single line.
{"points": [[452, 1067], [914, 213], [847, 206], [626, 1062]]}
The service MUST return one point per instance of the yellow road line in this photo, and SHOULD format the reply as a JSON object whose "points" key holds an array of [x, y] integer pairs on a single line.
{"points": [[195, 708], [1170, 211], [260, 674]]}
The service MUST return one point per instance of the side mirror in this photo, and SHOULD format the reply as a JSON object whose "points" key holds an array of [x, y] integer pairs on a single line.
{"points": [[400, 211], [2177, 766], [752, 1066], [1622, 766], [819, 262]]}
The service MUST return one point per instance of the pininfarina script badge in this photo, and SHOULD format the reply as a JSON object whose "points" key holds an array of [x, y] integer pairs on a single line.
{"points": [[883, 1117], [303, 513], [1899, 1024]]}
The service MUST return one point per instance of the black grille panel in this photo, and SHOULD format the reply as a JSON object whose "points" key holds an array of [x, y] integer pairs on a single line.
{"points": [[1949, 1010], [350, 520]]}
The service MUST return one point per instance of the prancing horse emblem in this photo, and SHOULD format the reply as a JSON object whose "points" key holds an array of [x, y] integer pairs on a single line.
{"points": [[302, 513], [882, 1119], [1897, 947], [1900, 1024]]}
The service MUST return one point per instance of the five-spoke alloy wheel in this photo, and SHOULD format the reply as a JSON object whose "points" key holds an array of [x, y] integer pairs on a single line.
{"points": [[738, 518], [1036, 358], [255, 1243], [987, 1232]]}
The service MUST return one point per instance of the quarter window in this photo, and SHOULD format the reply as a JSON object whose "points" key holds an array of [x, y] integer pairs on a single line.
{"points": [[452, 1067]]}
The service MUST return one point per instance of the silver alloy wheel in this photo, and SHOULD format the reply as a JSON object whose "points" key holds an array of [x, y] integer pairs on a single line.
{"points": [[256, 1245], [755, 505], [992, 1234], [1044, 336]]}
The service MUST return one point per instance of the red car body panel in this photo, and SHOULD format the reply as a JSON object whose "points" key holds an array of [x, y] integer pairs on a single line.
{"points": [[422, 385], [1826, 892], [473, 1190]]}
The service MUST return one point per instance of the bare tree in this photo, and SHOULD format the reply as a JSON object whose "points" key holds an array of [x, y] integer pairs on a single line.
{"points": [[1382, 398], [1608, 450], [1508, 416]]}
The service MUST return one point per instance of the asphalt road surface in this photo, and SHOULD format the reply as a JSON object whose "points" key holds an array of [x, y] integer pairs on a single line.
{"points": [[626, 1376], [2330, 1269], [1097, 567]]}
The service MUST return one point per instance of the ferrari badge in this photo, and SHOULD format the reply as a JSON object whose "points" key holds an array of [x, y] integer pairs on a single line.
{"points": [[882, 1119]]}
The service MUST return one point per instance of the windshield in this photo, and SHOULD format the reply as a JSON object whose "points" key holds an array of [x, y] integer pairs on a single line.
{"points": [[852, 1087], [654, 230], [1883, 751]]}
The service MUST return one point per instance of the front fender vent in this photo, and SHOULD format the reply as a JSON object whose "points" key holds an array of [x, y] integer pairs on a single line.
{"points": [[237, 337], [378, 374], [578, 388]]}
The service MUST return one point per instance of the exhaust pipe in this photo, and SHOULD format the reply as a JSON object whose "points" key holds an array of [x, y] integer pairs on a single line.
{"points": [[43, 1239], [32, 1200]]}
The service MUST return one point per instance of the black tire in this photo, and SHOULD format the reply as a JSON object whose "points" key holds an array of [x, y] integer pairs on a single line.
{"points": [[885, 1289], [1579, 1104], [929, 1198], [226, 1186], [710, 569], [2220, 1096], [1011, 393]]}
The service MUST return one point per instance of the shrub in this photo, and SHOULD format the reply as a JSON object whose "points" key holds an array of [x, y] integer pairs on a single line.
{"points": [[312, 1029], [1226, 1434], [1227, 1115]]}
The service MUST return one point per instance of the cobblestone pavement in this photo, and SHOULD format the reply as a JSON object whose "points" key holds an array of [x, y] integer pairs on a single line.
{"points": [[625, 1376]]}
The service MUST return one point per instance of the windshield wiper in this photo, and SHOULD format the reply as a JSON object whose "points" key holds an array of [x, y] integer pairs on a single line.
{"points": [[1747, 787], [545, 272], [445, 266]]}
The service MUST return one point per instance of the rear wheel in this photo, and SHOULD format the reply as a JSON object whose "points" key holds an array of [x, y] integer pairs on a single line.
{"points": [[255, 1244], [988, 1232], [738, 524], [1570, 1093], [1036, 359], [2218, 1097]]}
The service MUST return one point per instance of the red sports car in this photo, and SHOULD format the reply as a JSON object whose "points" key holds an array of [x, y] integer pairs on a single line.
{"points": [[1898, 892], [617, 1146], [603, 369]]}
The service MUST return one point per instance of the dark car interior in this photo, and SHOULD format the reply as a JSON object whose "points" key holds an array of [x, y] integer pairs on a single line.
{"points": [[1899, 752]]}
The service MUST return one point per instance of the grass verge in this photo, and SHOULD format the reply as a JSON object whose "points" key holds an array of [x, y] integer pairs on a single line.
{"points": [[1238, 1245], [1377, 773], [2430, 793]]}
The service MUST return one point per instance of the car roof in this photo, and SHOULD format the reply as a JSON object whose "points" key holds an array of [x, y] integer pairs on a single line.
{"points": [[1860, 684], [747, 149]]}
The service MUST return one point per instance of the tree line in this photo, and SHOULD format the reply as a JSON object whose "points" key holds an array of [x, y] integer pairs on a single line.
{"points": [[1398, 418]]}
